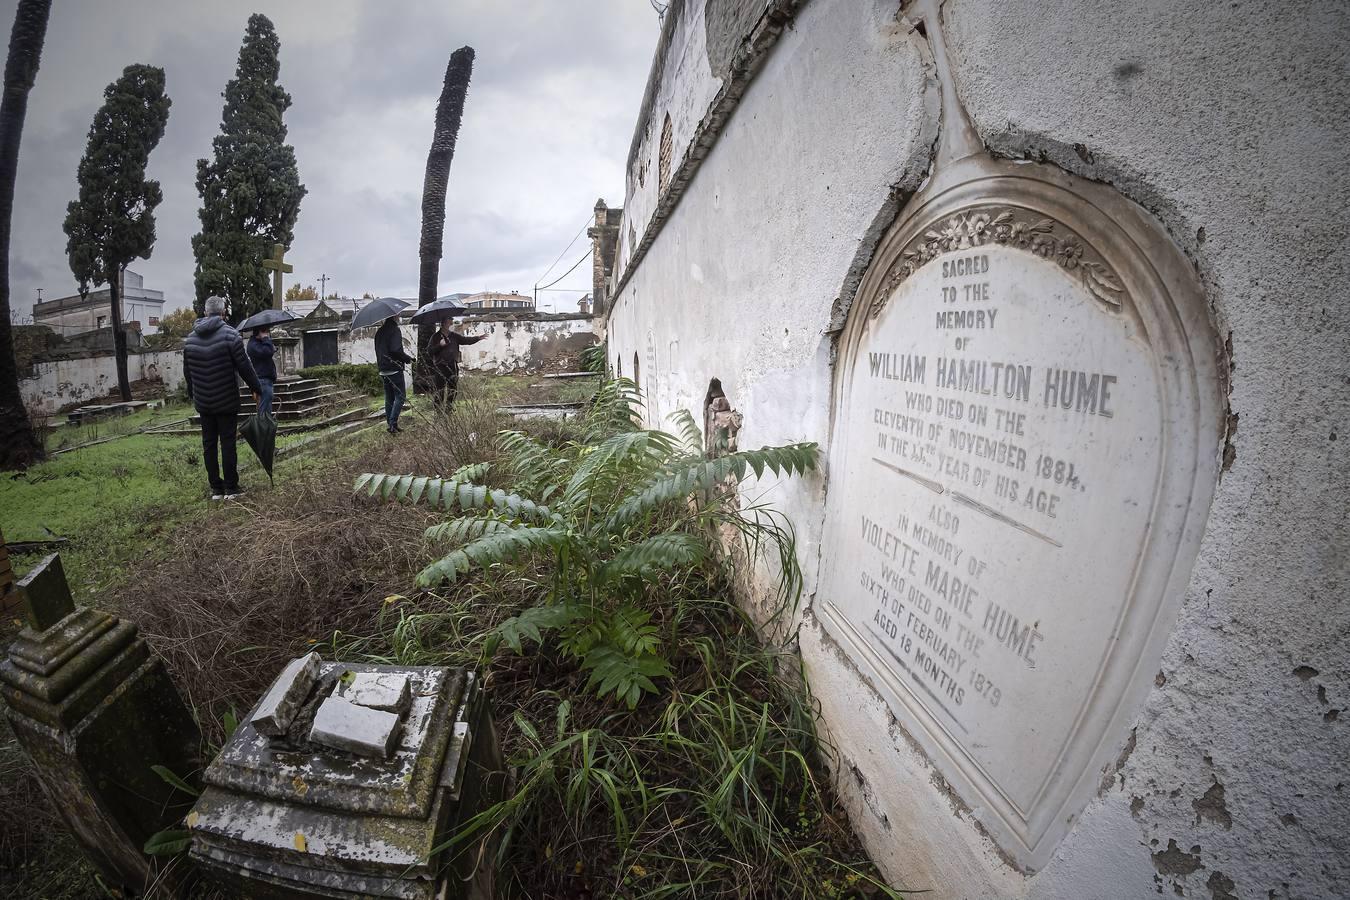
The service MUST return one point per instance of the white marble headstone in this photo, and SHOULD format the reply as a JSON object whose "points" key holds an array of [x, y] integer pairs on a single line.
{"points": [[1000, 535]]}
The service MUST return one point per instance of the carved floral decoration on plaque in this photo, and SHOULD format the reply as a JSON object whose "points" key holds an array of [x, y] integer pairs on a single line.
{"points": [[1010, 227]]}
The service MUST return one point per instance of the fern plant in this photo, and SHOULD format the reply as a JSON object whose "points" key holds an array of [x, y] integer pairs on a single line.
{"points": [[613, 515]]}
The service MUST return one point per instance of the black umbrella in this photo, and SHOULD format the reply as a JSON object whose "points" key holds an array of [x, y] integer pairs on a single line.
{"points": [[438, 310], [376, 311], [266, 319], [260, 430]]}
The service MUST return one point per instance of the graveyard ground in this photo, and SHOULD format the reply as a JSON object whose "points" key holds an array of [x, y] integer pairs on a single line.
{"points": [[227, 594]]}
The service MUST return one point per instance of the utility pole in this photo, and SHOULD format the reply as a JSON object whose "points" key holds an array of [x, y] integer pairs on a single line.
{"points": [[323, 286]]}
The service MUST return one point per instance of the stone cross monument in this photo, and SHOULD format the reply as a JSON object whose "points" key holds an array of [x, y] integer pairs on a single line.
{"points": [[96, 712], [278, 268]]}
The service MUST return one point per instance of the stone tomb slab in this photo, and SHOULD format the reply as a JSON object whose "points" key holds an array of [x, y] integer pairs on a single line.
{"points": [[400, 785], [284, 823], [376, 690], [283, 699], [344, 725]]}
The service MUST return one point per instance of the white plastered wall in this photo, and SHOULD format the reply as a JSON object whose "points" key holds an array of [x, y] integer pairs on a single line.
{"points": [[1228, 122]]}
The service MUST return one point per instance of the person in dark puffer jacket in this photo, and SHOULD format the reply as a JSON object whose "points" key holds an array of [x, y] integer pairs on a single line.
{"points": [[213, 355]]}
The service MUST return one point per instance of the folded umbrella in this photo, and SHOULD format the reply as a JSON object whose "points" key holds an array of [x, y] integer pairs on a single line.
{"points": [[438, 310], [266, 319], [376, 311], [260, 431]]}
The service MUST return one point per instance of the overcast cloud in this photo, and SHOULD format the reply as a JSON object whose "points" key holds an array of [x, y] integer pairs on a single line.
{"points": [[547, 124]]}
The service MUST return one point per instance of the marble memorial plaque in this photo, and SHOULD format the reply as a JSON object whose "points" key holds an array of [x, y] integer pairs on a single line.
{"points": [[1023, 452]]}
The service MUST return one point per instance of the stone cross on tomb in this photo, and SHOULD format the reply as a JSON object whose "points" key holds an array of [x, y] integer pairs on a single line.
{"points": [[48, 594], [278, 268]]}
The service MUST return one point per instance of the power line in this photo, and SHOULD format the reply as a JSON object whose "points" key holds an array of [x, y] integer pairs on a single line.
{"points": [[584, 257], [584, 223]]}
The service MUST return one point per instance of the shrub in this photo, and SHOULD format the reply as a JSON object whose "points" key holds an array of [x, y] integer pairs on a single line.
{"points": [[662, 748], [363, 378], [611, 516]]}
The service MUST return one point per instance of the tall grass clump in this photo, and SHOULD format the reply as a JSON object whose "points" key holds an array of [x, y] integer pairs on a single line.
{"points": [[661, 747]]}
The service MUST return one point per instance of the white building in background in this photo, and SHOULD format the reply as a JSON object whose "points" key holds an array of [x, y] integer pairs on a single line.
{"points": [[497, 300], [141, 309]]}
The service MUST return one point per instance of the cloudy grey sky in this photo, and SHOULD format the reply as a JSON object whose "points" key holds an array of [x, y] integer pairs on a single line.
{"points": [[547, 124]]}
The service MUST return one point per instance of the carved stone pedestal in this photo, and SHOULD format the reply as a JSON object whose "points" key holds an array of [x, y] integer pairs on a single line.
{"points": [[95, 711], [292, 815]]}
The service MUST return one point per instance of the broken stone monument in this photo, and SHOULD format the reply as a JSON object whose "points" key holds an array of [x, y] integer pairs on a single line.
{"points": [[95, 711], [350, 781], [9, 595]]}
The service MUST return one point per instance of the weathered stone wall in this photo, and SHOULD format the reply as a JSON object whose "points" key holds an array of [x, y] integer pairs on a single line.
{"points": [[1227, 122], [54, 383], [604, 235], [514, 342]]}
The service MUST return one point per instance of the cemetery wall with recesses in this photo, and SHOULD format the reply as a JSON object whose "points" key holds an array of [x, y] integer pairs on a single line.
{"points": [[511, 344], [55, 383], [1226, 123]]}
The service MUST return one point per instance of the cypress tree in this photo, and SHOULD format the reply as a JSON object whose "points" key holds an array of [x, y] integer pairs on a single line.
{"points": [[18, 445], [113, 221], [251, 190]]}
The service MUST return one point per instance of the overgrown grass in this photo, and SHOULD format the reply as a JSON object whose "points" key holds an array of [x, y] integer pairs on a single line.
{"points": [[524, 389], [663, 749], [364, 378], [711, 788], [224, 598]]}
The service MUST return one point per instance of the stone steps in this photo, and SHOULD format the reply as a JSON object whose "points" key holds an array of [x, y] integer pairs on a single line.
{"points": [[294, 400]]}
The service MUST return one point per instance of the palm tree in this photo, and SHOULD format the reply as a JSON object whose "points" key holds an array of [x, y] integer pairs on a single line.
{"points": [[18, 444], [449, 111]]}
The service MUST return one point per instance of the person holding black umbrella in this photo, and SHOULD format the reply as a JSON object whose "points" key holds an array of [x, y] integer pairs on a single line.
{"points": [[260, 352], [444, 352], [390, 358]]}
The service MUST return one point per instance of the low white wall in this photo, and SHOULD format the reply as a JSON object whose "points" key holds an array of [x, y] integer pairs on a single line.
{"points": [[511, 344], [524, 343], [57, 383]]}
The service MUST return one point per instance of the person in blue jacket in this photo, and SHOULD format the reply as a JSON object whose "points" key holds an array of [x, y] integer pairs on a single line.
{"points": [[260, 352]]}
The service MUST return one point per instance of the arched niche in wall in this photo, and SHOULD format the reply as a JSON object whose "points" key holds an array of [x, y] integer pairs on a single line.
{"points": [[1026, 434]]}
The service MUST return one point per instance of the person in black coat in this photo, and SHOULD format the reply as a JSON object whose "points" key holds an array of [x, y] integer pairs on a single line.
{"points": [[390, 358], [444, 352], [260, 352], [213, 357]]}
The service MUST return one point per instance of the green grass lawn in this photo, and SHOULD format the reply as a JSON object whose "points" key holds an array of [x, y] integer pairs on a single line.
{"points": [[109, 500], [63, 436], [113, 500]]}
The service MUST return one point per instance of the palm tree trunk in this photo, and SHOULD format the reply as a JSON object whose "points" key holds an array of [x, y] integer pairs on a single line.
{"points": [[18, 444], [119, 335], [449, 111]]}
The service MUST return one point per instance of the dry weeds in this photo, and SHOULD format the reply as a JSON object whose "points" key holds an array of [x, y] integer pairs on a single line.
{"points": [[229, 598]]}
